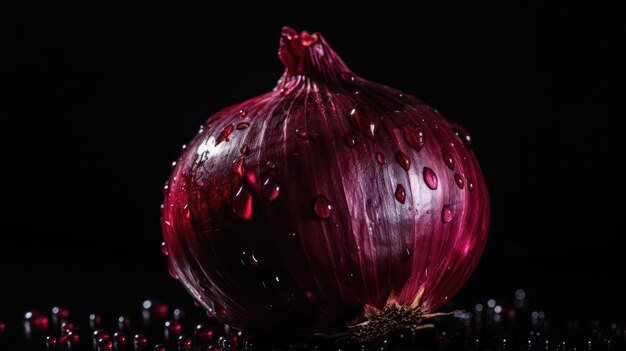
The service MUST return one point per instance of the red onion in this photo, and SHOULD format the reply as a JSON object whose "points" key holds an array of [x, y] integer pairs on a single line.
{"points": [[330, 203]]}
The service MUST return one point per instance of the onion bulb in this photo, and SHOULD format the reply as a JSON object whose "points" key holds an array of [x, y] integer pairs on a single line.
{"points": [[330, 204]]}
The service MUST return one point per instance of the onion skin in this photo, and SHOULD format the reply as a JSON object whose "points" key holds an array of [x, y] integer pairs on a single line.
{"points": [[302, 210]]}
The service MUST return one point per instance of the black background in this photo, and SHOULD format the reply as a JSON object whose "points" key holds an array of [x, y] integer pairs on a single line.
{"points": [[101, 97]]}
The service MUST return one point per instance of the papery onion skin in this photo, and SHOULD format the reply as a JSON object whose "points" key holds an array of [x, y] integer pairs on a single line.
{"points": [[297, 210]]}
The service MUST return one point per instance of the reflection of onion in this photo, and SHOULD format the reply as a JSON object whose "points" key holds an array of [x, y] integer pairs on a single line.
{"points": [[327, 201]]}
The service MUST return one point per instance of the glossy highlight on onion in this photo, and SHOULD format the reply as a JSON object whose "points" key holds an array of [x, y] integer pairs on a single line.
{"points": [[329, 205]]}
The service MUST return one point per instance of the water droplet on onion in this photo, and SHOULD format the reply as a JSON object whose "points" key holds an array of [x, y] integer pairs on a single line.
{"points": [[248, 259], [400, 194], [459, 181], [414, 136], [243, 125], [349, 140], [242, 204], [447, 158], [322, 207], [403, 160], [302, 133], [270, 189], [238, 166], [245, 150], [380, 158], [224, 134], [164, 249], [446, 214], [430, 178]]}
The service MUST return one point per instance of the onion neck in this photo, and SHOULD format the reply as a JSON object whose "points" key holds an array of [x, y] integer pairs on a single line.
{"points": [[308, 55]]}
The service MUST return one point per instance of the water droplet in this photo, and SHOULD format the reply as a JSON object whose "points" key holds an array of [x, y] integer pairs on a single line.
{"points": [[292, 235], [164, 249], [430, 178], [183, 148], [406, 254], [465, 138], [238, 166], [187, 211], [365, 120], [285, 91], [184, 343], [204, 332], [470, 185], [380, 158], [270, 189], [403, 160], [414, 136], [400, 194], [51, 343], [37, 320], [270, 165], [446, 214], [348, 77], [245, 150], [302, 133], [251, 180], [323, 208], [159, 347], [242, 204], [349, 140], [248, 259], [307, 39], [243, 125], [140, 341], [459, 181], [224, 134], [243, 113], [173, 328], [123, 323], [447, 158]]}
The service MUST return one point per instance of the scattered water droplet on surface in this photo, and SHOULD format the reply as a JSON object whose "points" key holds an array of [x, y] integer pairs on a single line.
{"points": [[245, 150], [224, 134], [349, 140], [447, 158], [292, 235], [302, 133], [204, 332], [465, 138], [403, 160], [238, 166], [414, 136], [271, 189], [242, 204], [243, 113], [270, 165], [348, 77], [243, 125], [406, 254], [248, 259], [459, 181], [164, 249], [430, 178], [380, 158], [285, 91], [400, 194], [446, 214], [322, 207], [140, 341], [184, 343], [187, 211], [470, 185]]}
